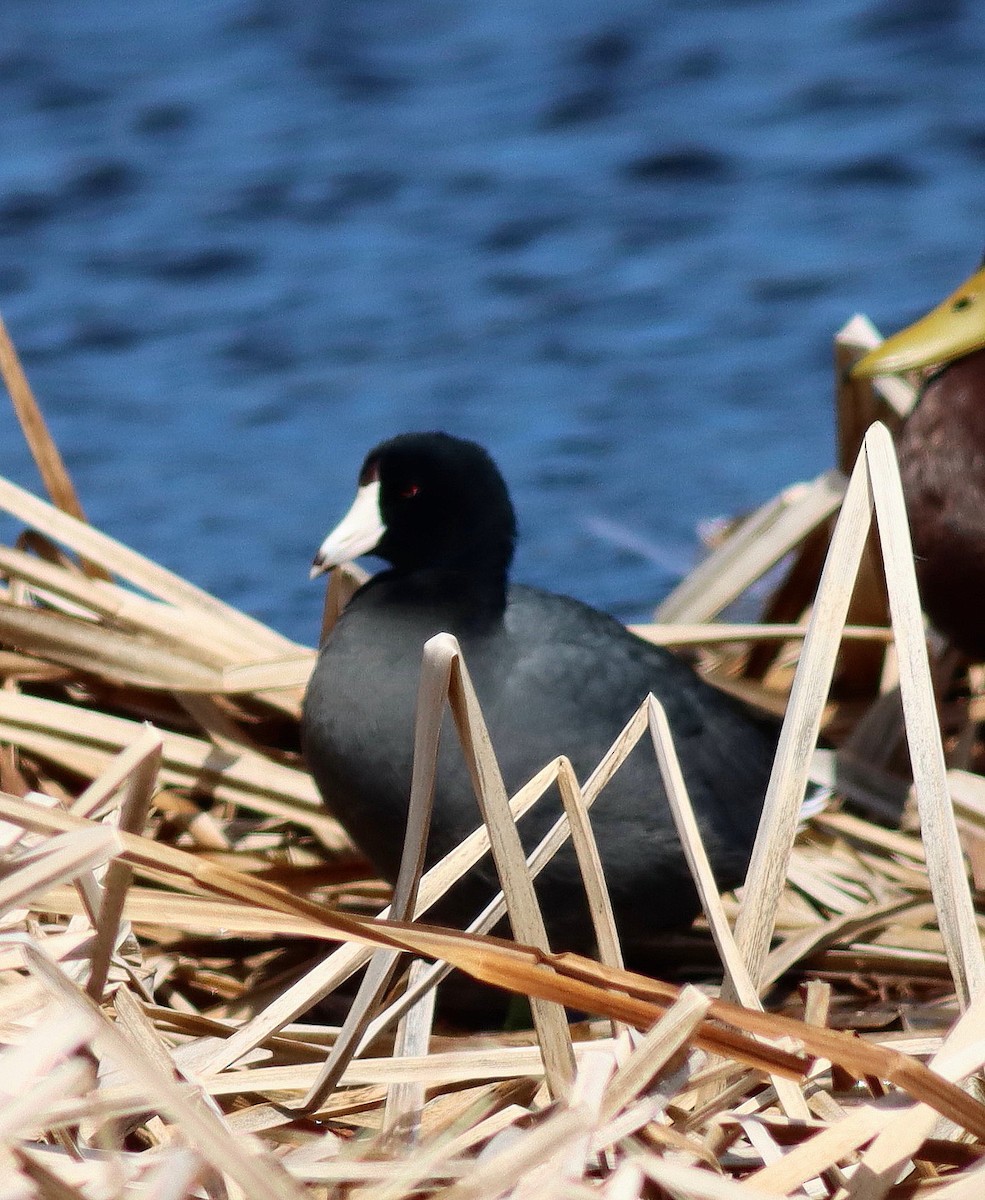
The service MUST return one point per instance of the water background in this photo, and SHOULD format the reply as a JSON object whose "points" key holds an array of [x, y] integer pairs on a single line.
{"points": [[241, 241]]}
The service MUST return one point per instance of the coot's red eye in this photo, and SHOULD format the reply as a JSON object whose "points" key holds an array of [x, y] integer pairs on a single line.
{"points": [[410, 491]]}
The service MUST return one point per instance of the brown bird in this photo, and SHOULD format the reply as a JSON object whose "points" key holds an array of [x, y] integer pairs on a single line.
{"points": [[941, 453]]}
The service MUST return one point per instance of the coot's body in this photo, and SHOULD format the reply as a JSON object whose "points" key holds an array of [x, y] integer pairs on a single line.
{"points": [[553, 676]]}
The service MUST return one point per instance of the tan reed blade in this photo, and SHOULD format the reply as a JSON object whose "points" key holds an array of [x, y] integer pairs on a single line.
{"points": [[50, 464], [750, 550], [433, 693], [507, 851], [767, 870]]}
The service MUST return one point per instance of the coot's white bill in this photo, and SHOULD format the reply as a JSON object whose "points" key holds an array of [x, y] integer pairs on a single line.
{"points": [[358, 532]]}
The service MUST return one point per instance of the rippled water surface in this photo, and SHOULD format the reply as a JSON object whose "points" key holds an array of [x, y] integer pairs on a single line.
{"points": [[240, 242]]}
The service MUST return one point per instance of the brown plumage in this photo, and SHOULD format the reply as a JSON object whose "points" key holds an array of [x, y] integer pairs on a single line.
{"points": [[941, 453], [942, 463]]}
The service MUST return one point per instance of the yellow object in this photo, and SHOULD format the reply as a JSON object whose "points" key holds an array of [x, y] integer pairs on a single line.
{"points": [[954, 328]]}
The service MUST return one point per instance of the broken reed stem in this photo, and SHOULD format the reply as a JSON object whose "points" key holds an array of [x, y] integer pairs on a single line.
{"points": [[737, 978], [526, 919], [405, 1101], [945, 859], [757, 544], [590, 865], [694, 851], [799, 733], [50, 464], [133, 818], [432, 696]]}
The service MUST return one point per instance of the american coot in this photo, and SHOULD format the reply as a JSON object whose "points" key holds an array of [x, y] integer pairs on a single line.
{"points": [[553, 676], [941, 453]]}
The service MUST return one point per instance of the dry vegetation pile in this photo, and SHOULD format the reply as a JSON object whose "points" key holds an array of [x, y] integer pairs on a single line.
{"points": [[174, 898]]}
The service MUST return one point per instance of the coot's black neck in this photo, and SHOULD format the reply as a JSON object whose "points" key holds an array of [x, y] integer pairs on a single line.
{"points": [[455, 600]]}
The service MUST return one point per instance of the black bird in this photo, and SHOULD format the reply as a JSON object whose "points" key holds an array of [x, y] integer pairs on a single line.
{"points": [[553, 675], [941, 451]]}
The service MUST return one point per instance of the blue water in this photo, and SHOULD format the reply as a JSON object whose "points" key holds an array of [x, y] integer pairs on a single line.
{"points": [[240, 242]]}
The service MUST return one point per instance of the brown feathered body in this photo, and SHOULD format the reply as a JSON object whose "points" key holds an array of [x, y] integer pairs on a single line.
{"points": [[942, 463]]}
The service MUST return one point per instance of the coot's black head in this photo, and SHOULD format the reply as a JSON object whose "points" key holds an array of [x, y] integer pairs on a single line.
{"points": [[427, 500]]}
